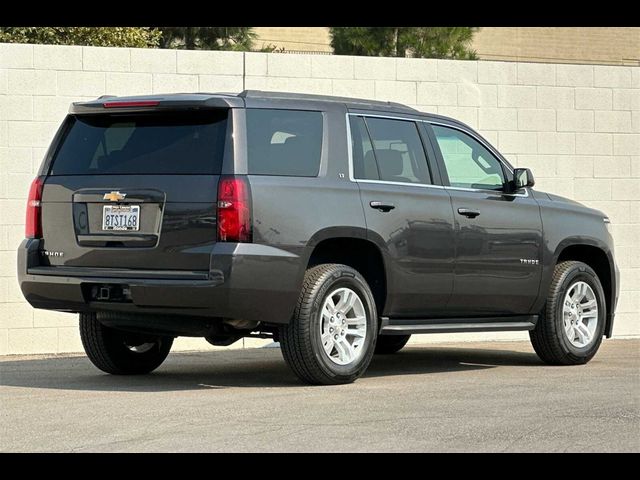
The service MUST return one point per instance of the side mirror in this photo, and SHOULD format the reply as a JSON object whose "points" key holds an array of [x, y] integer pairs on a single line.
{"points": [[522, 177]]}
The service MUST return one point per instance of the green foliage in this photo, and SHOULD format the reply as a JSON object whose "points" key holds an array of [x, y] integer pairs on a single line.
{"points": [[96, 36], [271, 48], [366, 41], [208, 38], [420, 42]]}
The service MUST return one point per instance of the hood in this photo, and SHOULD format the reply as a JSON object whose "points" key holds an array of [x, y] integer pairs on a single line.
{"points": [[572, 204]]}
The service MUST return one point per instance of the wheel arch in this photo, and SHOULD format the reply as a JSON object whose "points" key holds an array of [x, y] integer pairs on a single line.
{"points": [[352, 247], [599, 257]]}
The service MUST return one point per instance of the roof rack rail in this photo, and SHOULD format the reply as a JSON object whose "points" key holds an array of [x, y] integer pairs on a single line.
{"points": [[325, 98]]}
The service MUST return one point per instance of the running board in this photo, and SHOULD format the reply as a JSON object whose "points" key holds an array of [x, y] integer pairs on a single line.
{"points": [[400, 326]]}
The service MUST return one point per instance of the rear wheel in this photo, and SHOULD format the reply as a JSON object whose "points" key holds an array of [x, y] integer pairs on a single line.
{"points": [[119, 352], [332, 335], [388, 344], [570, 329]]}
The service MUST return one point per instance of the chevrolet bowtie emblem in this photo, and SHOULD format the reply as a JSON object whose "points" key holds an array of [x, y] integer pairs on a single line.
{"points": [[114, 196]]}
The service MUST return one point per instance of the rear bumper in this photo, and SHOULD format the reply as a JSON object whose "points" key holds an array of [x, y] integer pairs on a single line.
{"points": [[244, 281]]}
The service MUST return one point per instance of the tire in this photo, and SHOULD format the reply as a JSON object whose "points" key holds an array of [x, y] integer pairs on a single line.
{"points": [[307, 345], [388, 344], [119, 352], [550, 338]]}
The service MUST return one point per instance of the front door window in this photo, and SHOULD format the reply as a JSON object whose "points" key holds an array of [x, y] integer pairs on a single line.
{"points": [[468, 163]]}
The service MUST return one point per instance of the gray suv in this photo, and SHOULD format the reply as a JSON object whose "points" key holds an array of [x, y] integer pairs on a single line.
{"points": [[335, 226]]}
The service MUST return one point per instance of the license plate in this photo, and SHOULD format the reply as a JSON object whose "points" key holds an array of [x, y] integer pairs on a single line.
{"points": [[121, 217]]}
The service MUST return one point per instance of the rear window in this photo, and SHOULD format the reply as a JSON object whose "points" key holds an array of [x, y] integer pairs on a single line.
{"points": [[284, 142], [175, 143]]}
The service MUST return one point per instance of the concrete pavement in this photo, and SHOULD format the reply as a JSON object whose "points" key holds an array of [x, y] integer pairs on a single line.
{"points": [[448, 397]]}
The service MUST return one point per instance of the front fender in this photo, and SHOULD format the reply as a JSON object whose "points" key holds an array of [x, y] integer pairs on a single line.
{"points": [[550, 260]]}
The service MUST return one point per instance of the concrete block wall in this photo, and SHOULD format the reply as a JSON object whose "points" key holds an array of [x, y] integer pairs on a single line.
{"points": [[576, 126]]}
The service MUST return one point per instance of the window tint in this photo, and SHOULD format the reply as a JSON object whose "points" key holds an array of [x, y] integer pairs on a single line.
{"points": [[468, 163], [398, 151], [364, 162], [175, 143], [284, 142]]}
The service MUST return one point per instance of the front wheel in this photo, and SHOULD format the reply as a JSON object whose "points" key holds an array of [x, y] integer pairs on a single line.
{"points": [[119, 352], [570, 329], [332, 335]]}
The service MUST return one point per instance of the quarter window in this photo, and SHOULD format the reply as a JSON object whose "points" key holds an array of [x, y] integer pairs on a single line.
{"points": [[467, 162], [284, 142]]}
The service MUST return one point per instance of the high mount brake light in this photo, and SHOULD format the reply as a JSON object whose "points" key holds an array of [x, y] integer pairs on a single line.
{"points": [[140, 103]]}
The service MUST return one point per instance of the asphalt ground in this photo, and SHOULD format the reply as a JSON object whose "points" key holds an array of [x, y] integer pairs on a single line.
{"points": [[493, 397]]}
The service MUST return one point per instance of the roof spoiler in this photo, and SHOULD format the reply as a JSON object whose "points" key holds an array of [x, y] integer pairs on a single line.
{"points": [[111, 103]]}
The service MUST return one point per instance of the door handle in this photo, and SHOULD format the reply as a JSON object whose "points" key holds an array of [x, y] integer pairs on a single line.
{"points": [[467, 212], [383, 207]]}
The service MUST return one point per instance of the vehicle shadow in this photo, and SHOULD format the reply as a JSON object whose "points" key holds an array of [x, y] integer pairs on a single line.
{"points": [[242, 369]]}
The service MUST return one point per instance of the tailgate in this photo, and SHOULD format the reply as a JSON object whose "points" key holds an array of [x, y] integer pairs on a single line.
{"points": [[134, 191]]}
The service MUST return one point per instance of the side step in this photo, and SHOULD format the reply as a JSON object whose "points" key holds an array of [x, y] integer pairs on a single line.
{"points": [[405, 326]]}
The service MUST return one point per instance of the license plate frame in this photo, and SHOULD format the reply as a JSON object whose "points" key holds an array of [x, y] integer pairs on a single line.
{"points": [[120, 223]]}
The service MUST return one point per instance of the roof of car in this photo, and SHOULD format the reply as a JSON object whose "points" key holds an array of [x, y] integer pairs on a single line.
{"points": [[350, 102], [222, 99]]}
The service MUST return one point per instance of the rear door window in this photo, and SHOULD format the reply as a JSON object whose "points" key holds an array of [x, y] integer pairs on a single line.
{"points": [[398, 151], [153, 143], [364, 161], [284, 142]]}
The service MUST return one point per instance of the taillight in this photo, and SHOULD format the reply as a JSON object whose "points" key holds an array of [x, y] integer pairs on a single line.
{"points": [[33, 224], [234, 209]]}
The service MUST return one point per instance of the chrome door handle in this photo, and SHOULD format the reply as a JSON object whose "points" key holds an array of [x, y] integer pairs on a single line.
{"points": [[383, 207], [467, 212]]}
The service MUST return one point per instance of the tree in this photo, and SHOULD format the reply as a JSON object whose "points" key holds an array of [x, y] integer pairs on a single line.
{"points": [[208, 38], [421, 42], [96, 36]]}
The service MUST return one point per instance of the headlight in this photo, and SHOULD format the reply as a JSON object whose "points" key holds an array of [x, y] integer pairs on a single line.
{"points": [[607, 223]]}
